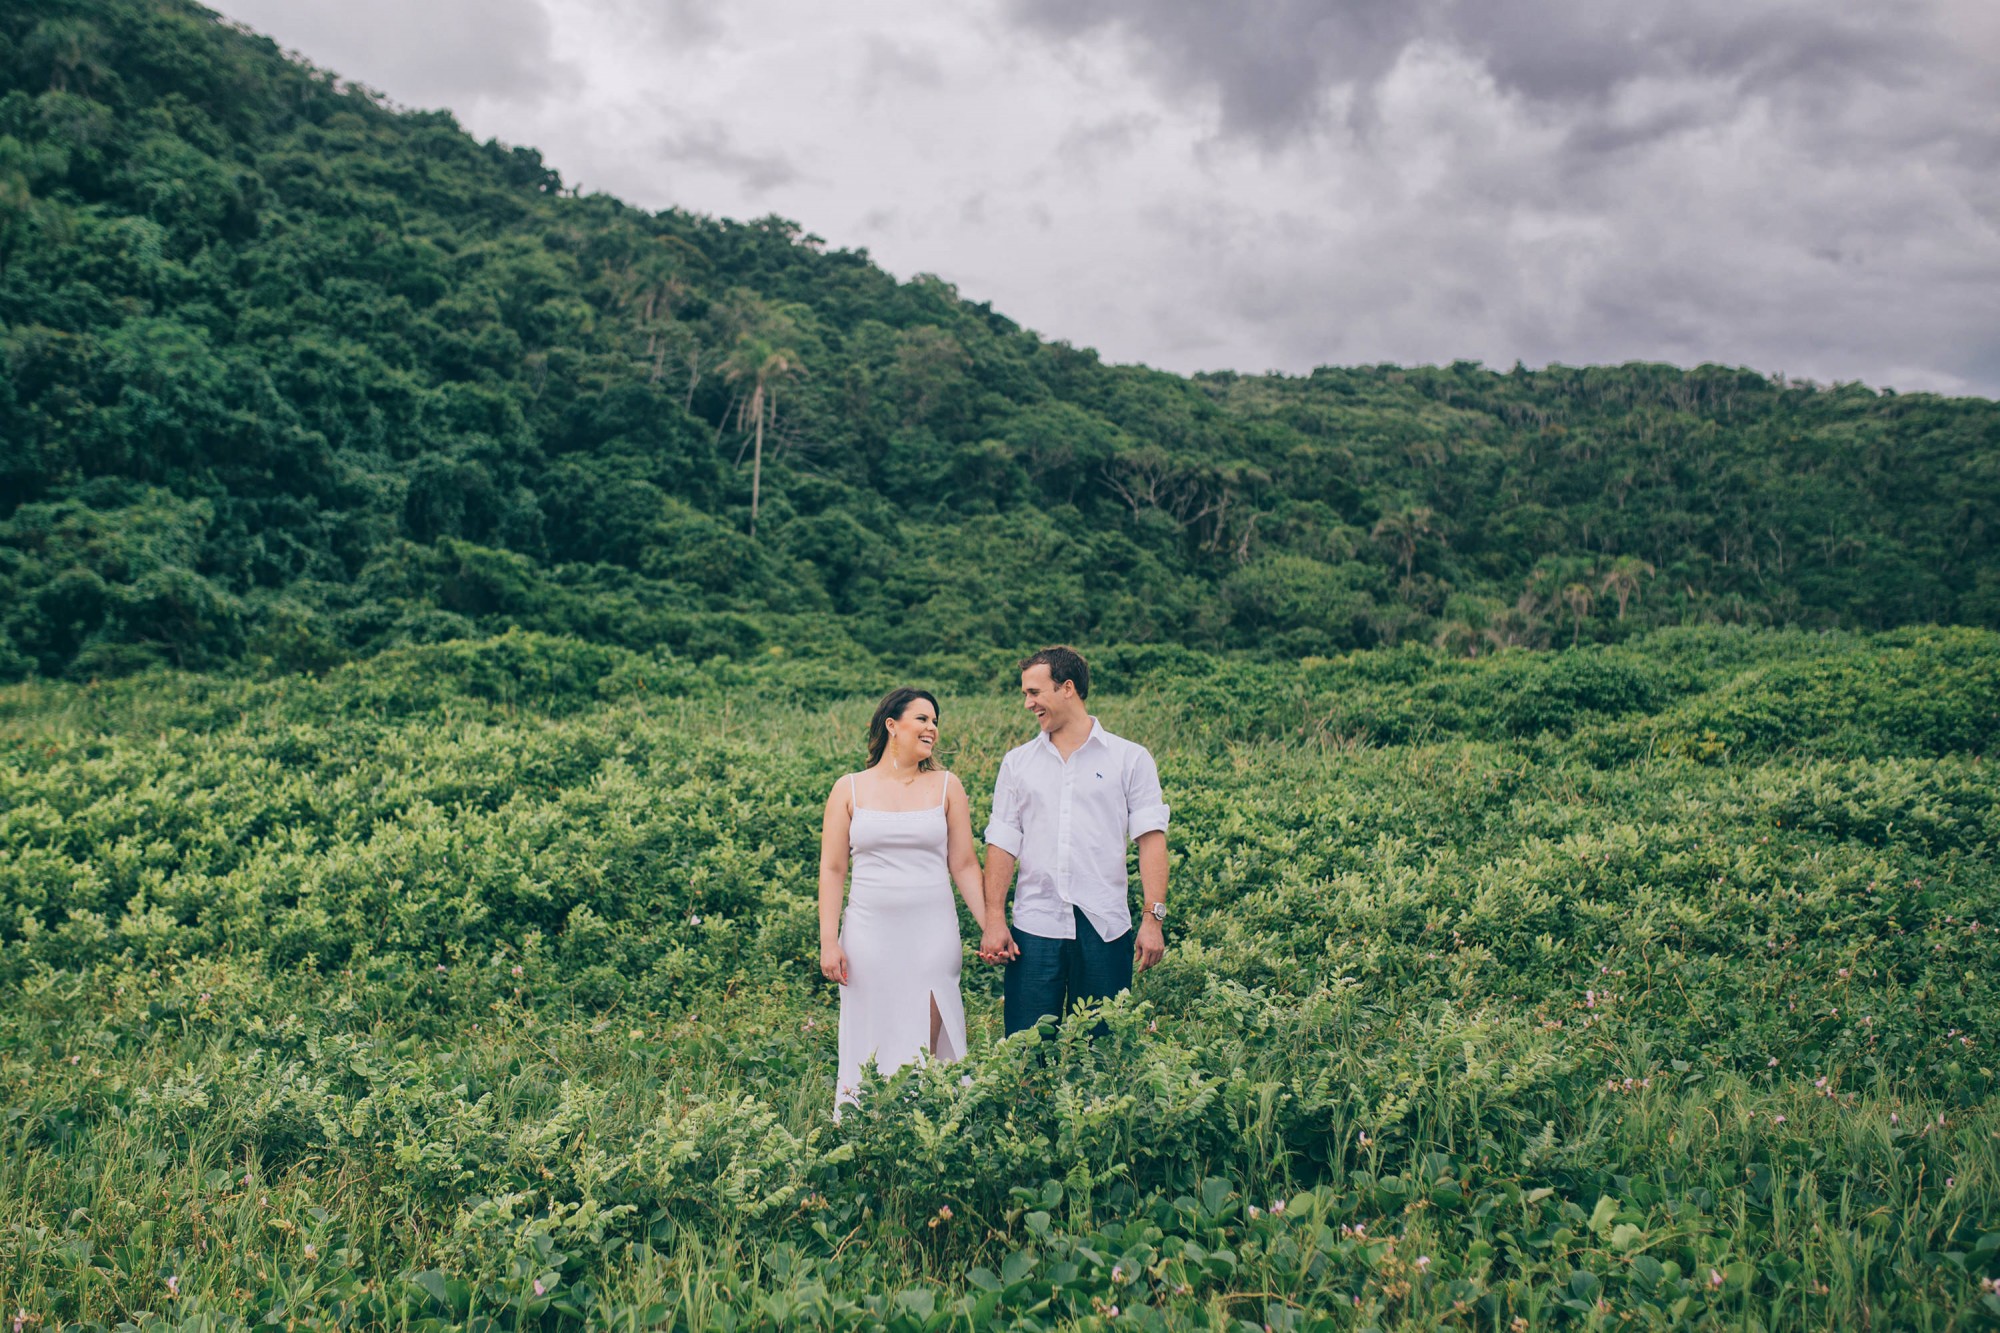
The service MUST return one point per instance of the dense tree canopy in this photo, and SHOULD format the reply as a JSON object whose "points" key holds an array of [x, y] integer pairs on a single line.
{"points": [[293, 375]]}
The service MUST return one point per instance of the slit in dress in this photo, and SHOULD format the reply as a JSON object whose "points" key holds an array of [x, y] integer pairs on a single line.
{"points": [[940, 1047]]}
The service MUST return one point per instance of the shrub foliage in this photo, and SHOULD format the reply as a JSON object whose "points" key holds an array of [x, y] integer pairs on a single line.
{"points": [[474, 984]]}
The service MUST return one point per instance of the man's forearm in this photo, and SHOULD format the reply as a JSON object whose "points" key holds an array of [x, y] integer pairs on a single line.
{"points": [[999, 878], [1153, 867]]}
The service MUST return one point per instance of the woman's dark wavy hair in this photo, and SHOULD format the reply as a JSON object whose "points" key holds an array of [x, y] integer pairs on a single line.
{"points": [[892, 706]]}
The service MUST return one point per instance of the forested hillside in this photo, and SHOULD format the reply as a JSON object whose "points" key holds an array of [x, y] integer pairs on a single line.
{"points": [[293, 375]]}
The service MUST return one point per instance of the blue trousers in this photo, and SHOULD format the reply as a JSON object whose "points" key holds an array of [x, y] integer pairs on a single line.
{"points": [[1051, 975]]}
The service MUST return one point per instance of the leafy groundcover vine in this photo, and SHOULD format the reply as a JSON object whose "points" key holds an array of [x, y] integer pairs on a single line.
{"points": [[471, 987]]}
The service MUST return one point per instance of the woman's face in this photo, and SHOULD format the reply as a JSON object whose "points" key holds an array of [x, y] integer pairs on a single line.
{"points": [[916, 731]]}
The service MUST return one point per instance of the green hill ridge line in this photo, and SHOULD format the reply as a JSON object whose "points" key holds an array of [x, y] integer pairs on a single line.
{"points": [[295, 376]]}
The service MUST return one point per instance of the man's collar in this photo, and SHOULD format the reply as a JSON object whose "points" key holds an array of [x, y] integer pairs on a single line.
{"points": [[1096, 736]]}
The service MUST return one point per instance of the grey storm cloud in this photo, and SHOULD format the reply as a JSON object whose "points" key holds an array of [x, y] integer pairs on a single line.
{"points": [[1760, 181], [1809, 188], [710, 146], [891, 65], [1089, 145], [437, 53], [1272, 66]]}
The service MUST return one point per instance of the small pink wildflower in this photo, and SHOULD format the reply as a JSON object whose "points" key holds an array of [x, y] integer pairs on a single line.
{"points": [[1777, 1120], [1950, 1182], [1714, 1277], [1423, 1262], [173, 1286], [540, 1290], [1255, 1212], [944, 1211], [1277, 1207], [1772, 1062], [311, 1250]]}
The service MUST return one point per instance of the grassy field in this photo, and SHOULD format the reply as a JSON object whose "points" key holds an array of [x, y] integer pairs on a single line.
{"points": [[474, 986]]}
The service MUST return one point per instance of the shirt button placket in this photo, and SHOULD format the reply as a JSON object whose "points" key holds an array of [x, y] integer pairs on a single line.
{"points": [[1062, 834]]}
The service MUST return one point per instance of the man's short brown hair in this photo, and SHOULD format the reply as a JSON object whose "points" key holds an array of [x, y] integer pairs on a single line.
{"points": [[1065, 664]]}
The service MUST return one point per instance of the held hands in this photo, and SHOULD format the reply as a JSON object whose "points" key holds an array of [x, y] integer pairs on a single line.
{"points": [[996, 943], [833, 962], [1149, 944]]}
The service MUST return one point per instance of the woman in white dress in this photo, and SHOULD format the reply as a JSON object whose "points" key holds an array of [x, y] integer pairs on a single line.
{"points": [[905, 826]]}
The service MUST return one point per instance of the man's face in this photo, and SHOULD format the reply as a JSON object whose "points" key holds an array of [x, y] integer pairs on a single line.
{"points": [[1051, 704]]}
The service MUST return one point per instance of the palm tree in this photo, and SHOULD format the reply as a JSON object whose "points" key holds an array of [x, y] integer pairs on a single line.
{"points": [[650, 287], [1578, 599], [1622, 579], [1403, 530], [762, 356]]}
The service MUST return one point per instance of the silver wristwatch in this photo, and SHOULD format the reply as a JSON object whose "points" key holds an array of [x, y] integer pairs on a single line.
{"points": [[1157, 911]]}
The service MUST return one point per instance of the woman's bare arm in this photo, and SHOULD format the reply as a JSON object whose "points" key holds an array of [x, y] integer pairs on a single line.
{"points": [[961, 852], [833, 831]]}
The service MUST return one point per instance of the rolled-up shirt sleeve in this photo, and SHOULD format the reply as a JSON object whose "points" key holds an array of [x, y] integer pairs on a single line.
{"points": [[1004, 828], [1145, 804]]}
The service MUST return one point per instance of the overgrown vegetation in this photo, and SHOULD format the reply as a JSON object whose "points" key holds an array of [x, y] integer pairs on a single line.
{"points": [[293, 376], [436, 605], [1645, 984]]}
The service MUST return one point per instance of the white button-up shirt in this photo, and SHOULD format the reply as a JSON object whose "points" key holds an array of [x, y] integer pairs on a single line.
{"points": [[1067, 823]]}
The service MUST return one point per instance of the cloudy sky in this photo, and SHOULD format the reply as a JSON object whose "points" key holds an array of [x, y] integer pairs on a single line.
{"points": [[1805, 188]]}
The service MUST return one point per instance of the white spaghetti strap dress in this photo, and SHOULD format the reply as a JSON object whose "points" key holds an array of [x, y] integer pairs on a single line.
{"points": [[900, 932]]}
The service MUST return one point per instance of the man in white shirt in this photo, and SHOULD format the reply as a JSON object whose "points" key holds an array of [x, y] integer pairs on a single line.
{"points": [[1064, 807]]}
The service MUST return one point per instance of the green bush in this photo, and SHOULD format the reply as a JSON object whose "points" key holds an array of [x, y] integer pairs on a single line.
{"points": [[480, 977]]}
